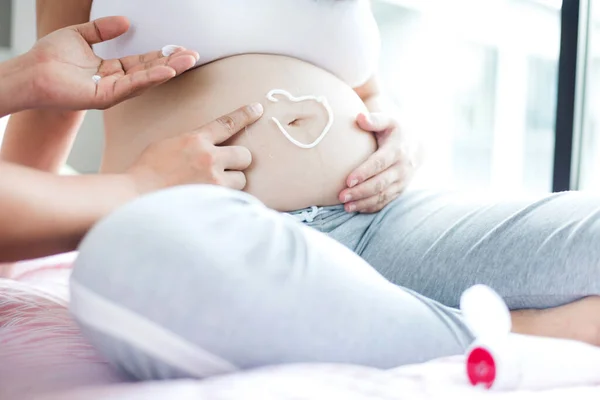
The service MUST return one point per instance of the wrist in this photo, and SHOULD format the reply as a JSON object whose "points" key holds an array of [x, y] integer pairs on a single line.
{"points": [[96, 196], [16, 87], [143, 180], [124, 188]]}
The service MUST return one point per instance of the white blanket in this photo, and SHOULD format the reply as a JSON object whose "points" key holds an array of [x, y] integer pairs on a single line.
{"points": [[44, 357]]}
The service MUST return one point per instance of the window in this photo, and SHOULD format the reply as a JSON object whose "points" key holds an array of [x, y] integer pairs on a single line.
{"points": [[3, 122], [478, 79], [5, 23], [590, 150], [5, 43]]}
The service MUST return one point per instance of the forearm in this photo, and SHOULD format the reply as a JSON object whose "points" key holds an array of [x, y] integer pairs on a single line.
{"points": [[41, 139], [15, 86], [43, 214]]}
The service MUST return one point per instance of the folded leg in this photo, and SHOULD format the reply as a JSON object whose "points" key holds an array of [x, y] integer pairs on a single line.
{"points": [[200, 280]]}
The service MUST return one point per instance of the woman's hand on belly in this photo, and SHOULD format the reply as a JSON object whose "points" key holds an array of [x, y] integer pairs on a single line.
{"points": [[387, 172], [195, 157]]}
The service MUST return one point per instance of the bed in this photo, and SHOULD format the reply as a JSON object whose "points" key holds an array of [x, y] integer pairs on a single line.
{"points": [[44, 357]]}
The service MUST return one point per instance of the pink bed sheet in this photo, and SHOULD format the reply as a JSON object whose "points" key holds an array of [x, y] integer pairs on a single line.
{"points": [[43, 356]]}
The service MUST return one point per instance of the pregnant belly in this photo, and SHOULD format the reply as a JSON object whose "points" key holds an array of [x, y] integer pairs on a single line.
{"points": [[283, 175]]}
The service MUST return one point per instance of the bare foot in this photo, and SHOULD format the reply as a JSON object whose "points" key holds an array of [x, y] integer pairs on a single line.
{"points": [[579, 320]]}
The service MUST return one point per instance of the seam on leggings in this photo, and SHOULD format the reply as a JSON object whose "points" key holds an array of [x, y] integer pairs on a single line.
{"points": [[146, 335], [416, 200], [454, 227], [507, 222], [572, 225]]}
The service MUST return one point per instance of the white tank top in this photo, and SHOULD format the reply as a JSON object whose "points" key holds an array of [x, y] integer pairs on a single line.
{"points": [[340, 36]]}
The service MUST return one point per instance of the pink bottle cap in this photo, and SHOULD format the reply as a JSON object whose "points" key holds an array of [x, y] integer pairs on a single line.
{"points": [[481, 367], [494, 365]]}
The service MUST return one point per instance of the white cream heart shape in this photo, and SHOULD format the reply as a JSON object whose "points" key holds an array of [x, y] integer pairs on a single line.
{"points": [[320, 99]]}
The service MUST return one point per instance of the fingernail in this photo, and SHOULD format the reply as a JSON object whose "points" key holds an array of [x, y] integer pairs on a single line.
{"points": [[347, 198], [256, 108], [352, 208], [353, 182], [170, 50]]}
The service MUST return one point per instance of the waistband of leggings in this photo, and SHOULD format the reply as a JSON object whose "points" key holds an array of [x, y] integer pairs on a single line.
{"points": [[324, 209], [310, 213]]}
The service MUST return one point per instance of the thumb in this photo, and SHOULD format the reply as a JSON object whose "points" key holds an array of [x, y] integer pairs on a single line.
{"points": [[373, 122], [102, 29]]}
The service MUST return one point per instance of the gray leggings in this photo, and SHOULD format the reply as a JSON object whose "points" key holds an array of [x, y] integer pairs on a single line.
{"points": [[198, 281]]}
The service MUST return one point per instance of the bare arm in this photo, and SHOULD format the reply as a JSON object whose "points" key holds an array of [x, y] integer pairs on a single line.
{"points": [[14, 90], [44, 214], [42, 139]]}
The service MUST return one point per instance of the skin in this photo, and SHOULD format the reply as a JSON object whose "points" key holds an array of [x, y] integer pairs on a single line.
{"points": [[383, 176], [371, 186], [57, 75]]}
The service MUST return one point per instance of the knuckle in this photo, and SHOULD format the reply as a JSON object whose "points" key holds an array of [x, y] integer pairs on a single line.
{"points": [[188, 140], [227, 122], [371, 167], [192, 140], [246, 114], [208, 158], [369, 206], [360, 192], [399, 153], [378, 164], [214, 178], [381, 197], [142, 59]]}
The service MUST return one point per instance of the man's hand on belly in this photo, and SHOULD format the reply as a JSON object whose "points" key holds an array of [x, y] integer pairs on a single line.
{"points": [[197, 157]]}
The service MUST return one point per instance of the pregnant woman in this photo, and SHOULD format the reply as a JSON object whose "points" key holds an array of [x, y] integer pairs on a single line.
{"points": [[203, 280]]}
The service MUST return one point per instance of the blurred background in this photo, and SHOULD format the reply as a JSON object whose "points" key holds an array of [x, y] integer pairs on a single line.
{"points": [[479, 78]]}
